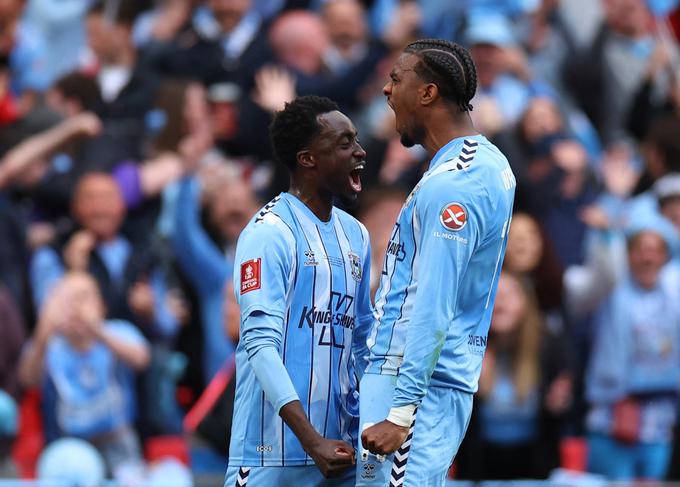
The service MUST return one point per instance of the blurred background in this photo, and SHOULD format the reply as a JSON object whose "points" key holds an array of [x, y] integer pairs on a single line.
{"points": [[134, 149]]}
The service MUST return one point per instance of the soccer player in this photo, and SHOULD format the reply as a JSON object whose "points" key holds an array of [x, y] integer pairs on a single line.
{"points": [[439, 276], [303, 291]]}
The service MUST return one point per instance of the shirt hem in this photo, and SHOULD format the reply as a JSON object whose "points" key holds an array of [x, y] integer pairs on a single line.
{"points": [[258, 463]]}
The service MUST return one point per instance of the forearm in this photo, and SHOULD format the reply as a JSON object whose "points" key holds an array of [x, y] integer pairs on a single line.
{"points": [[261, 339], [135, 355], [33, 149], [273, 377], [32, 364], [156, 174], [296, 419], [424, 342]]}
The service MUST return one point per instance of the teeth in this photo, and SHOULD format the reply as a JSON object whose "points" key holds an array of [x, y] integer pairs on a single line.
{"points": [[359, 167]]}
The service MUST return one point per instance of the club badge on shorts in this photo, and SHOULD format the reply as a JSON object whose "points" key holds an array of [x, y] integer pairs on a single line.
{"points": [[250, 275], [355, 265], [453, 217]]}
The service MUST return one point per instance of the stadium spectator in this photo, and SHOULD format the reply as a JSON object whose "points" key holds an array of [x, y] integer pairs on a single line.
{"points": [[127, 84], [161, 23], [301, 40], [502, 71], [660, 150], [60, 24], [13, 332], [126, 270], [530, 253], [648, 105], [554, 177], [525, 390], [220, 41], [27, 53], [14, 256], [348, 35], [549, 43], [85, 366], [612, 69], [43, 164], [229, 203], [524, 142], [632, 380]]}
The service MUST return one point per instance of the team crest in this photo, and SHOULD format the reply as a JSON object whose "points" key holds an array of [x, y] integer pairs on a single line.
{"points": [[453, 217], [355, 265]]}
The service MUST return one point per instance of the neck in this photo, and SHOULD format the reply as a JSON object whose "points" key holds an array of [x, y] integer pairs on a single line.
{"points": [[308, 191], [442, 128]]}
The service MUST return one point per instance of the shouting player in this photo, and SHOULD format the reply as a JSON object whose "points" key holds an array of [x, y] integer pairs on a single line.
{"points": [[439, 278], [303, 291]]}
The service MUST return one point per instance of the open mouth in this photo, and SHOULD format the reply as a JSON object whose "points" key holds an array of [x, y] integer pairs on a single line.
{"points": [[355, 178]]}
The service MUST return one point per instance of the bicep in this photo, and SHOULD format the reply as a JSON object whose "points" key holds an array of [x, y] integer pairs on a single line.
{"points": [[446, 233], [262, 272]]}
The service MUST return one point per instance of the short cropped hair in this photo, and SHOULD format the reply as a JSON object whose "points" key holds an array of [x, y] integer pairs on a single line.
{"points": [[294, 127]]}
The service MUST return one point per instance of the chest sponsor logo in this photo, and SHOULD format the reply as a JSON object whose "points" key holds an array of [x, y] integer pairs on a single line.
{"points": [[395, 252], [396, 249], [333, 320], [453, 217], [250, 275]]}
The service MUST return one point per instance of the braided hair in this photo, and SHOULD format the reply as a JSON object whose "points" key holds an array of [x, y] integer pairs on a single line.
{"points": [[449, 66]]}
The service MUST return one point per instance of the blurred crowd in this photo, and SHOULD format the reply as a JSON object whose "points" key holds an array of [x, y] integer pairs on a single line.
{"points": [[134, 149]]}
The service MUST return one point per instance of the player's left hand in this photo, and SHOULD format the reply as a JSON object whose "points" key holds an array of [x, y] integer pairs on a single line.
{"points": [[384, 438]]}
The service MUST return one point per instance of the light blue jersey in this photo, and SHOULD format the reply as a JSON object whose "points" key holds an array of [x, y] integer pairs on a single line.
{"points": [[440, 274], [313, 278]]}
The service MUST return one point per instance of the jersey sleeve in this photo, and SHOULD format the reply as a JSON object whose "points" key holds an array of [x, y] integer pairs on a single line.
{"points": [[447, 227], [262, 338], [364, 311], [263, 268]]}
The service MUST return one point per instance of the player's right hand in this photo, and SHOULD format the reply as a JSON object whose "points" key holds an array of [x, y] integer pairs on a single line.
{"points": [[332, 457]]}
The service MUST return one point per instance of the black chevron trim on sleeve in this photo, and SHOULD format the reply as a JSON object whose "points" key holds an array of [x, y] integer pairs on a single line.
{"points": [[401, 458]]}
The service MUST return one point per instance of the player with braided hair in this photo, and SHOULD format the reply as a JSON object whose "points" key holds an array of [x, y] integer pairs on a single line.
{"points": [[444, 62], [439, 275]]}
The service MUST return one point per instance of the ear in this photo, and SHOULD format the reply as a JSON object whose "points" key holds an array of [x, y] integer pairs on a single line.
{"points": [[428, 94], [306, 159]]}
